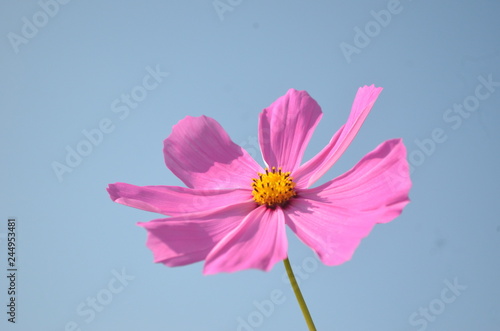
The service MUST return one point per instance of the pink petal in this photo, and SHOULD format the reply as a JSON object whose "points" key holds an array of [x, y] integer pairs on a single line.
{"points": [[182, 240], [258, 242], [174, 200], [316, 167], [285, 128], [334, 217], [202, 155]]}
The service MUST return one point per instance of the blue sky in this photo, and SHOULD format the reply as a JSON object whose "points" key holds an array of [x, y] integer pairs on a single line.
{"points": [[91, 89]]}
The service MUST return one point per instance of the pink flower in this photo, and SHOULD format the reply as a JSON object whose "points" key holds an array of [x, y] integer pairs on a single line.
{"points": [[233, 212]]}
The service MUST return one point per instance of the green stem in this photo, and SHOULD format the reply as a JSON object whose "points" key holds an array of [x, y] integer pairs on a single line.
{"points": [[298, 294]]}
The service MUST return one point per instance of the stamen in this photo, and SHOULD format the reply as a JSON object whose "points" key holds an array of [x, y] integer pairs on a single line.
{"points": [[274, 188]]}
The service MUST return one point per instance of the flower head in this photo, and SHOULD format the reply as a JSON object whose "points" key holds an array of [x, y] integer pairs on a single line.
{"points": [[232, 214], [273, 188]]}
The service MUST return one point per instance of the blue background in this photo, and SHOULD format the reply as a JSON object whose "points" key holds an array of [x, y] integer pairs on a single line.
{"points": [[62, 77]]}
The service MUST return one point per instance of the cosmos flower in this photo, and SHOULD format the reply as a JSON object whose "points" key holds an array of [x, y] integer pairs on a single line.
{"points": [[233, 212]]}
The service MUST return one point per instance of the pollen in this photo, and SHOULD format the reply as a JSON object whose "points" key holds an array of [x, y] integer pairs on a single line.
{"points": [[273, 188]]}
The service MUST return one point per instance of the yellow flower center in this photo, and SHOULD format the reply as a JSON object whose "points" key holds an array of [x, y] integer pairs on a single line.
{"points": [[273, 188]]}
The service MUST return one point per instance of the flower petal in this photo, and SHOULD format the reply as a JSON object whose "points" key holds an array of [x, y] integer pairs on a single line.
{"points": [[316, 167], [258, 242], [175, 200], [202, 155], [182, 240], [334, 217], [285, 128]]}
